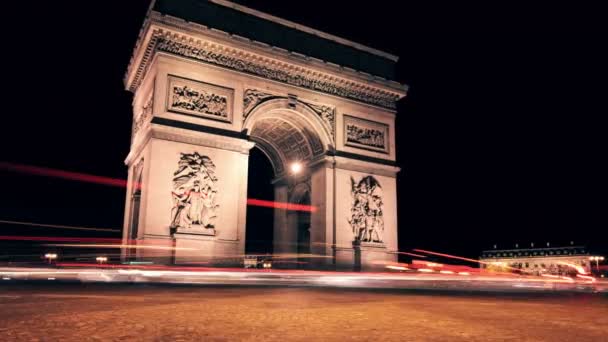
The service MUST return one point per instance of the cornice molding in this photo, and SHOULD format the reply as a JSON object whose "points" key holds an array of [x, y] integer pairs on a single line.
{"points": [[366, 167], [183, 135], [199, 138], [177, 37]]}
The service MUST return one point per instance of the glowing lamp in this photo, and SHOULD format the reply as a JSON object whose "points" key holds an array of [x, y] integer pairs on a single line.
{"points": [[296, 167], [50, 257]]}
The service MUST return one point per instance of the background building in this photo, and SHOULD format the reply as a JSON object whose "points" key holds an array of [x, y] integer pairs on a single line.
{"points": [[548, 260]]}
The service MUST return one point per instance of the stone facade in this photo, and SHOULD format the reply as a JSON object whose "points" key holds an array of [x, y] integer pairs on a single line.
{"points": [[554, 261], [204, 98]]}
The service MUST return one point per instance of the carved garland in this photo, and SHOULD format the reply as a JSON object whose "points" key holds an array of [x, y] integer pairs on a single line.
{"points": [[326, 113], [145, 115], [252, 98], [223, 58]]}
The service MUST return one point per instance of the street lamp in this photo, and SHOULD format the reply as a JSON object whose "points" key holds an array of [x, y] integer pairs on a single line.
{"points": [[101, 259], [296, 167], [597, 261], [50, 257]]}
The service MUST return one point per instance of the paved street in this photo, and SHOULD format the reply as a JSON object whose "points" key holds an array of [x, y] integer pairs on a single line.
{"points": [[95, 312]]}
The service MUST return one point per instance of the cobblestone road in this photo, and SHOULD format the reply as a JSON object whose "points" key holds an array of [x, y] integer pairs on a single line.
{"points": [[164, 313]]}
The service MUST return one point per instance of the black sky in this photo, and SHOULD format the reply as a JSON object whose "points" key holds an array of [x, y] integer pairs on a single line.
{"points": [[501, 138]]}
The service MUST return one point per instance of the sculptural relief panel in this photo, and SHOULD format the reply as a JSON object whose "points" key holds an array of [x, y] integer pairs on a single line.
{"points": [[366, 134], [366, 216], [199, 99], [194, 194]]}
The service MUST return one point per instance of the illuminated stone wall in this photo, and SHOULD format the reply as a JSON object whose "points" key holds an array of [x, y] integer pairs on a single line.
{"points": [[204, 98]]}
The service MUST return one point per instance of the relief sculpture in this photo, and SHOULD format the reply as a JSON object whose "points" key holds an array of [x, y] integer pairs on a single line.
{"points": [[366, 218], [365, 134], [199, 101], [194, 193]]}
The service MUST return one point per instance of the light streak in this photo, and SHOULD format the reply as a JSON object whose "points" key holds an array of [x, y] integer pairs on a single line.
{"points": [[586, 277], [425, 270], [58, 226], [578, 268], [549, 275], [399, 268], [120, 246], [76, 176], [456, 257], [88, 178], [410, 254], [281, 205], [58, 239]]}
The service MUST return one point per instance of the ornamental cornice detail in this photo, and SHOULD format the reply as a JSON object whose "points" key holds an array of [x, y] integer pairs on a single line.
{"points": [[145, 115], [326, 113], [183, 136], [252, 98], [162, 40]]}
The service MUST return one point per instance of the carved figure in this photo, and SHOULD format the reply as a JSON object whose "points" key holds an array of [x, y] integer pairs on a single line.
{"points": [[365, 136], [366, 218], [194, 192], [199, 101]]}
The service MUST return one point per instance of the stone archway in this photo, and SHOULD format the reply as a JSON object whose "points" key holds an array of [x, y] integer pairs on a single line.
{"points": [[288, 131], [205, 93]]}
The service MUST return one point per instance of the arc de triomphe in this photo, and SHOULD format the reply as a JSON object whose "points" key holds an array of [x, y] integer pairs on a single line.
{"points": [[211, 80]]}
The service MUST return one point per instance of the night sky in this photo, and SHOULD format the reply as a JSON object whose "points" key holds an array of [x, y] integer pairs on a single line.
{"points": [[501, 139]]}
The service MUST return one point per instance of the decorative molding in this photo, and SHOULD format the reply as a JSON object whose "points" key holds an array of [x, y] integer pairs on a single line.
{"points": [[372, 168], [194, 195], [327, 114], [252, 98], [366, 219], [145, 114], [199, 99], [243, 61], [366, 134], [179, 131]]}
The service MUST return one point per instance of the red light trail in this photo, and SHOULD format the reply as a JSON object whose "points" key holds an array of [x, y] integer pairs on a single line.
{"points": [[410, 254], [75, 176], [455, 257], [281, 205], [83, 177], [60, 239], [59, 226]]}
